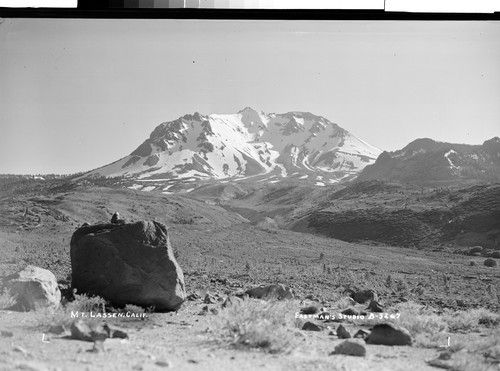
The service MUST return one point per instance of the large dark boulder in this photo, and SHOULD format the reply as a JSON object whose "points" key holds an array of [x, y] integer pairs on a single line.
{"points": [[127, 264]]}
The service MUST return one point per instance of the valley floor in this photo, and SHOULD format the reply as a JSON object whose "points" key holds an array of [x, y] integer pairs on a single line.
{"points": [[222, 254]]}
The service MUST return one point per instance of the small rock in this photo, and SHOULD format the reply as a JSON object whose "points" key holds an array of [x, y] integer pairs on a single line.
{"points": [[389, 334], [20, 350], [375, 307], [6, 334], [494, 254], [271, 292], [446, 355], [310, 326], [163, 363], [309, 310], [214, 311], [56, 329], [209, 299], [115, 217], [115, 332], [475, 250], [363, 296], [98, 347], [441, 363], [193, 297], [350, 312], [88, 331], [490, 262], [204, 311], [342, 333], [230, 301], [361, 334], [351, 348]]}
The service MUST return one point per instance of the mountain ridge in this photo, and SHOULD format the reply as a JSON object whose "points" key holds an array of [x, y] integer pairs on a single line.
{"points": [[425, 160]]}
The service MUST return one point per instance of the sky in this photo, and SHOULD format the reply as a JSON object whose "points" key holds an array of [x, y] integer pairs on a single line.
{"points": [[77, 94]]}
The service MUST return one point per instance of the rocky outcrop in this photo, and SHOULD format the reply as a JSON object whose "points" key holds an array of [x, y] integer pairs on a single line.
{"points": [[34, 288], [130, 263]]}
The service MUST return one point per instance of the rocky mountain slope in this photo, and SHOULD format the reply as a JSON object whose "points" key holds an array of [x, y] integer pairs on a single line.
{"points": [[426, 162], [245, 144], [406, 215]]}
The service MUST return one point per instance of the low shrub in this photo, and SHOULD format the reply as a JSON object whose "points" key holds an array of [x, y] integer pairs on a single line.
{"points": [[7, 300], [268, 326]]}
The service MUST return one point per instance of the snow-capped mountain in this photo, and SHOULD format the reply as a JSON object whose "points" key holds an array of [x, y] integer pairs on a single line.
{"points": [[246, 144], [426, 161]]}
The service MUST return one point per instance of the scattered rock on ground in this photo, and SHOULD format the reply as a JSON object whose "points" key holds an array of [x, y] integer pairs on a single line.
{"points": [[342, 333], [130, 263], [310, 326], [309, 310], [494, 254], [34, 288], [204, 311], [375, 306], [163, 363], [116, 333], [361, 334], [389, 334], [351, 348], [93, 331], [56, 329], [475, 250], [209, 299], [230, 301], [490, 262], [350, 312], [88, 331], [193, 297], [363, 296], [278, 291]]}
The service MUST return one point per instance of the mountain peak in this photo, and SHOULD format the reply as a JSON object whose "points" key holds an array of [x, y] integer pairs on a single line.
{"points": [[296, 144], [247, 109]]}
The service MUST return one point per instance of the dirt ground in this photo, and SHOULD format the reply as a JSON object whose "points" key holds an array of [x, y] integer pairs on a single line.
{"points": [[181, 342]]}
